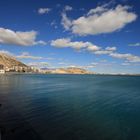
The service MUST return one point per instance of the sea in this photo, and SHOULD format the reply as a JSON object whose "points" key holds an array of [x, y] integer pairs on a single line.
{"points": [[69, 107]]}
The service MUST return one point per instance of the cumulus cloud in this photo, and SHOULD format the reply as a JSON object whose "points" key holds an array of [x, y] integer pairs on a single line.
{"points": [[66, 42], [11, 37], [99, 20], [44, 10], [26, 55], [135, 44], [88, 46], [128, 57], [60, 43], [66, 22]]}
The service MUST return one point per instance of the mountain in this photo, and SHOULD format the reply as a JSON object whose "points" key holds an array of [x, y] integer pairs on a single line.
{"points": [[10, 61], [11, 64], [70, 70]]}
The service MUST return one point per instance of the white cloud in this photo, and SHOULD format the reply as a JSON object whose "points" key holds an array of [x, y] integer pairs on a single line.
{"points": [[135, 44], [60, 43], [111, 48], [68, 8], [110, 51], [101, 52], [92, 48], [44, 10], [62, 63], [66, 22], [103, 60], [49, 58], [88, 46], [11, 37], [39, 64], [40, 42], [99, 20], [53, 23], [127, 57], [125, 64], [66, 42], [26, 55], [107, 50], [97, 10], [89, 66], [79, 66], [6, 52], [94, 63]]}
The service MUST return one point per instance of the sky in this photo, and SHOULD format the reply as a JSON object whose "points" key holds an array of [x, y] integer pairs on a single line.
{"points": [[102, 36]]}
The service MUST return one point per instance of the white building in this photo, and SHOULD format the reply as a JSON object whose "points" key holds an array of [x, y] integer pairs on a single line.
{"points": [[2, 71]]}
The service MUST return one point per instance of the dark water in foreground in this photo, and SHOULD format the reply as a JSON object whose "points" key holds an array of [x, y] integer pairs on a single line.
{"points": [[69, 107]]}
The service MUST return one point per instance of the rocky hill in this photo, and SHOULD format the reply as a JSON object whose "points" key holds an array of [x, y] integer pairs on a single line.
{"points": [[14, 65], [70, 70], [9, 61]]}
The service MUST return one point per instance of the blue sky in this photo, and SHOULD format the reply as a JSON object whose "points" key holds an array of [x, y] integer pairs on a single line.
{"points": [[100, 35]]}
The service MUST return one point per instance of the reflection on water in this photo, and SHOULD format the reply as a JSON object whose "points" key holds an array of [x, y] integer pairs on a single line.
{"points": [[69, 107]]}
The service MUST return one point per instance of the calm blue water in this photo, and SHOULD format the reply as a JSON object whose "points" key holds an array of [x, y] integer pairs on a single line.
{"points": [[69, 107]]}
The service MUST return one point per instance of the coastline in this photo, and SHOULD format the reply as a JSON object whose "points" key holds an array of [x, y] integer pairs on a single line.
{"points": [[100, 74]]}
